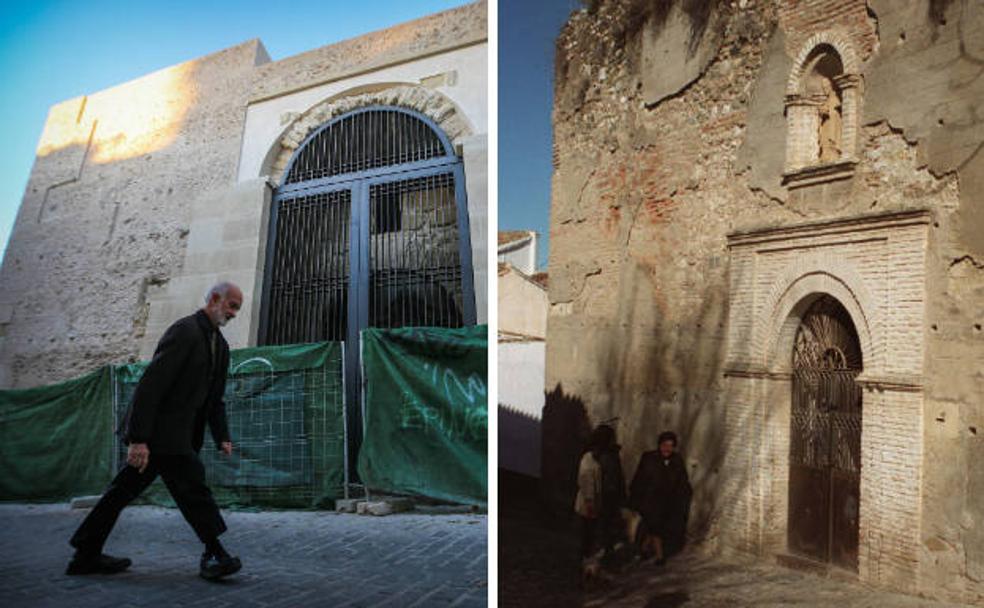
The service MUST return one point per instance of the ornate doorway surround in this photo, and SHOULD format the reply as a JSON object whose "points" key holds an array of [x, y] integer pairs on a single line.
{"points": [[794, 398]]}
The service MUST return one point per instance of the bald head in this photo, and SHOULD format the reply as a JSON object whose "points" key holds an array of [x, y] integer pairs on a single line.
{"points": [[222, 303]]}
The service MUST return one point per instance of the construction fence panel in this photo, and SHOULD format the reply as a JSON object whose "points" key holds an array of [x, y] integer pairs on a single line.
{"points": [[286, 415]]}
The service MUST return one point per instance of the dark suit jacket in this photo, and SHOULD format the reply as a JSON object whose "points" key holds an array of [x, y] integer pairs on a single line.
{"points": [[179, 392]]}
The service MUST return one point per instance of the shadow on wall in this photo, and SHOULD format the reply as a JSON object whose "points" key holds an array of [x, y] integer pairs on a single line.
{"points": [[670, 378], [519, 442], [565, 433], [659, 372]]}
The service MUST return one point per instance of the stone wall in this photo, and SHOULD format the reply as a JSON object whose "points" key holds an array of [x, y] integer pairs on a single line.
{"points": [[105, 219], [646, 295]]}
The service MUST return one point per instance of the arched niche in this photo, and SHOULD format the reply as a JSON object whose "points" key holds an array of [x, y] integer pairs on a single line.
{"points": [[822, 107]]}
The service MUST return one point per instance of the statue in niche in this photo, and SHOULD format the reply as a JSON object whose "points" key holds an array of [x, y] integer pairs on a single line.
{"points": [[831, 122]]}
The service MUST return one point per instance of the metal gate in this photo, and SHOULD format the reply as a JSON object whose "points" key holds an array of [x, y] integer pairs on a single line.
{"points": [[825, 437], [368, 229]]}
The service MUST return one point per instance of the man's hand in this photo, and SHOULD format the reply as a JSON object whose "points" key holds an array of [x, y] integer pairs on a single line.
{"points": [[137, 456], [226, 447]]}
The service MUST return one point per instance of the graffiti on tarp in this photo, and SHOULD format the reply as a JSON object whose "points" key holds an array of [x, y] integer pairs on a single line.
{"points": [[436, 345], [453, 422], [445, 378]]}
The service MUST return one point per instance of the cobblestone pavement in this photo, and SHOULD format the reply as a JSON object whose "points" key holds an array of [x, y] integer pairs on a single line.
{"points": [[539, 566], [290, 558]]}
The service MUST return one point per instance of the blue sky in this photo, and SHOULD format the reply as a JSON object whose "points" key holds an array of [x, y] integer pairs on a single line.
{"points": [[51, 51], [527, 30]]}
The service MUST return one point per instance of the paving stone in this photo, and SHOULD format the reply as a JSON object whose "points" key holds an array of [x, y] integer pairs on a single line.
{"points": [[290, 558], [389, 506], [347, 505]]}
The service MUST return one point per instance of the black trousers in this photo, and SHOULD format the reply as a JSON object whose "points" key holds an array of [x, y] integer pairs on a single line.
{"points": [[184, 476]]}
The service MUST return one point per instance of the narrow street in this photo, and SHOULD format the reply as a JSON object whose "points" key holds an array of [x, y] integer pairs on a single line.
{"points": [[539, 566]]}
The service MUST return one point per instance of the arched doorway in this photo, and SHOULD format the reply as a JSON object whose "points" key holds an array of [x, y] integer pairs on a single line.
{"points": [[369, 228], [825, 437]]}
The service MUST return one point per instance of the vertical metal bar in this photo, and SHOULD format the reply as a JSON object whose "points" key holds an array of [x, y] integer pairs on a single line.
{"points": [[115, 452], [345, 242], [356, 252], [323, 147], [301, 259], [296, 240], [290, 244], [310, 259], [468, 304], [283, 256], [438, 181], [268, 272], [336, 166], [318, 274], [330, 317], [413, 204], [387, 243], [345, 434], [406, 268], [338, 259]]}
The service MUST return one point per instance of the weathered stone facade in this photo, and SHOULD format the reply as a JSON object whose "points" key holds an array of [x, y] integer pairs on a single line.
{"points": [[144, 194], [729, 163]]}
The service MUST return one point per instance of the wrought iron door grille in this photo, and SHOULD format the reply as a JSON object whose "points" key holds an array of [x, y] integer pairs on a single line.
{"points": [[826, 420], [365, 140], [414, 261], [825, 436], [309, 290]]}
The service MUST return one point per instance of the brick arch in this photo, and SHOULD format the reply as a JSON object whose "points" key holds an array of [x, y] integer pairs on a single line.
{"points": [[840, 42], [433, 104], [793, 293]]}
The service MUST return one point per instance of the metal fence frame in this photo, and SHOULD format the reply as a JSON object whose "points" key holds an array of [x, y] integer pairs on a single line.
{"points": [[120, 401]]}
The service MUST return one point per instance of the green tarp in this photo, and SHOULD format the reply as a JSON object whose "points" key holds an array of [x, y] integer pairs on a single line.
{"points": [[57, 441], [426, 409]]}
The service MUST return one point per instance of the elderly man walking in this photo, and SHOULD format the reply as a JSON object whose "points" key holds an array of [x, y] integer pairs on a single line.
{"points": [[180, 391]]}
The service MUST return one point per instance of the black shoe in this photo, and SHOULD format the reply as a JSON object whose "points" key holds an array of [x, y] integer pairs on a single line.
{"points": [[212, 567], [97, 564]]}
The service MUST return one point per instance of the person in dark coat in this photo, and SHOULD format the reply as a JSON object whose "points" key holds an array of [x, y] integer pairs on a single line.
{"points": [[179, 393], [661, 493]]}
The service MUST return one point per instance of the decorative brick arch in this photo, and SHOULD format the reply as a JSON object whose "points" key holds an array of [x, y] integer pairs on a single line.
{"points": [[444, 112], [793, 293], [839, 41]]}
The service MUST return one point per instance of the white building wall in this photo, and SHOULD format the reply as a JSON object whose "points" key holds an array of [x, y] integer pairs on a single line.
{"points": [[521, 401]]}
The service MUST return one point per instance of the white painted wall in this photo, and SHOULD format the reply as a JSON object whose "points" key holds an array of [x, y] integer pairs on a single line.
{"points": [[522, 256], [523, 305], [521, 402]]}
